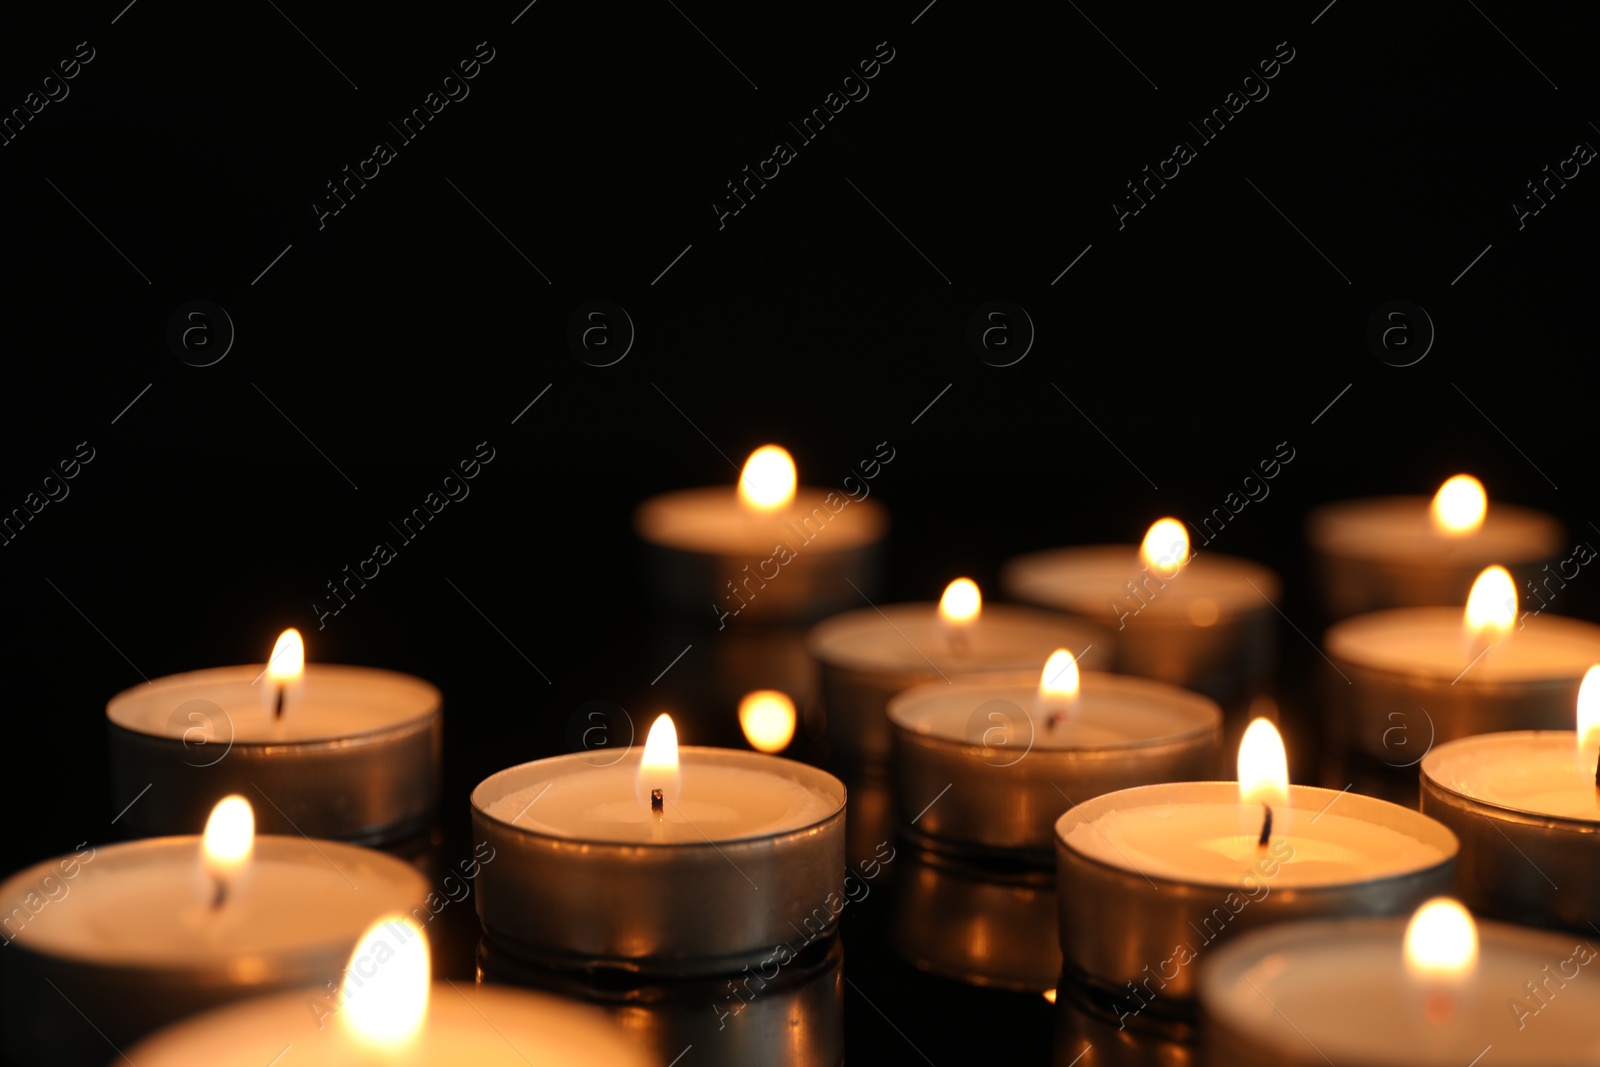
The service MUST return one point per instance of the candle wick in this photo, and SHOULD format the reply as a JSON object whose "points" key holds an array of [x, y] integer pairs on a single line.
{"points": [[277, 708], [657, 800], [1054, 719], [221, 894], [1266, 826], [1597, 773]]}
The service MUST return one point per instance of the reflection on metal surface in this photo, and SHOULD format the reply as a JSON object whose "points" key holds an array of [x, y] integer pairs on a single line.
{"points": [[1090, 1032]]}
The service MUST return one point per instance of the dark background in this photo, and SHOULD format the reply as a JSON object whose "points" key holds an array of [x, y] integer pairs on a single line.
{"points": [[411, 327]]}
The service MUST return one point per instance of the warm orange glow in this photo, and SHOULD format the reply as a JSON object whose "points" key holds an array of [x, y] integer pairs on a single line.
{"points": [[229, 839], [1491, 607], [384, 999], [1441, 942], [1058, 685], [1459, 506], [1263, 766], [961, 603], [288, 660], [767, 718], [1050, 995], [658, 769], [1166, 547], [1589, 719], [768, 479]]}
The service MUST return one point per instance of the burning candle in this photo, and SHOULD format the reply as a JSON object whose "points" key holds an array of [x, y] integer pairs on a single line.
{"points": [[1150, 876], [139, 934], [1016, 749], [389, 1012], [350, 753], [1526, 806], [1420, 676], [1437, 991], [668, 861], [1407, 551], [767, 718], [868, 656], [767, 551], [1202, 621]]}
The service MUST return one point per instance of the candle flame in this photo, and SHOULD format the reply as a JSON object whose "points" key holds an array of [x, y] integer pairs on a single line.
{"points": [[1166, 547], [768, 480], [1491, 606], [961, 603], [1589, 718], [1441, 942], [1263, 766], [658, 768], [767, 718], [287, 664], [1058, 687], [230, 837], [1459, 506], [385, 992]]}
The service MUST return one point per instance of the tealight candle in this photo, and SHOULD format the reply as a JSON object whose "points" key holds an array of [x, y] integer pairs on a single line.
{"points": [[1441, 673], [1015, 750], [770, 551], [869, 655], [1407, 551], [1150, 876], [1202, 621], [389, 1013], [1435, 992], [350, 753], [1526, 807], [136, 935], [669, 861]]}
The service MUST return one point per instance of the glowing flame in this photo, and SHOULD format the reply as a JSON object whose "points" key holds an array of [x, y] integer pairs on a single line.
{"points": [[229, 839], [1459, 506], [1166, 547], [1441, 942], [1263, 766], [1491, 606], [1050, 995], [1589, 719], [658, 769], [767, 718], [768, 480], [1058, 685], [384, 998], [286, 672], [961, 603]]}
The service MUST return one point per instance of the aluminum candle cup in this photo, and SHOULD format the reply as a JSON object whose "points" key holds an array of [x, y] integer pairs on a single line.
{"points": [[1371, 555], [1210, 628], [1408, 671], [984, 926], [1149, 877], [868, 656], [585, 878], [1325, 992], [128, 937], [357, 759], [783, 1016], [1012, 768], [1529, 822], [483, 1026]]}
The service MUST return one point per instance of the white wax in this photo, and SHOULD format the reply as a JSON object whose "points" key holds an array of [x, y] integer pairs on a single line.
{"points": [[1340, 991], [481, 1026], [1189, 832], [1093, 580], [713, 520], [1430, 642], [141, 904], [1113, 711], [339, 702], [1400, 530], [725, 795], [910, 638], [1531, 771]]}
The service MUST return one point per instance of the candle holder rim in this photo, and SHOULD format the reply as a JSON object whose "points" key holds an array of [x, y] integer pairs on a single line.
{"points": [[479, 810], [434, 698], [824, 630], [1318, 517], [1521, 683], [1506, 812], [272, 749], [1193, 887], [988, 681], [1264, 576], [877, 524]]}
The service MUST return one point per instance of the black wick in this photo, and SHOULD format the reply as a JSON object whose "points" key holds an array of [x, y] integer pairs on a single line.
{"points": [[277, 709], [1266, 826], [657, 799]]}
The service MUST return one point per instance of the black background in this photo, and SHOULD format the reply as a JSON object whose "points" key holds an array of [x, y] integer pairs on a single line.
{"points": [[409, 328]]}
